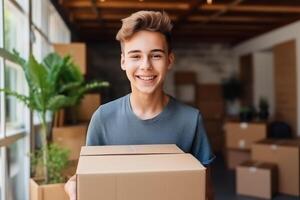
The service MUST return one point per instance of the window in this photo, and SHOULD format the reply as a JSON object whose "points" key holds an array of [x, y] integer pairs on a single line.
{"points": [[1, 174], [15, 110], [15, 38], [14, 163], [47, 28], [16, 170], [58, 31], [15, 26]]}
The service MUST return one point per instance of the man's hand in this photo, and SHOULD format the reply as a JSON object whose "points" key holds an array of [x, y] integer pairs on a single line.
{"points": [[70, 188]]}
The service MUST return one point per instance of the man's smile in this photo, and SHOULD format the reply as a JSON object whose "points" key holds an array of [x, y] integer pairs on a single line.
{"points": [[146, 78]]}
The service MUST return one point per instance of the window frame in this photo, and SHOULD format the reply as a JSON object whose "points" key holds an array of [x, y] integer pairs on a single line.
{"points": [[18, 134], [26, 134]]}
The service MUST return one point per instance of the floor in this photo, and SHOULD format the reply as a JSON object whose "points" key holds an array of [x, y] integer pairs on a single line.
{"points": [[224, 183]]}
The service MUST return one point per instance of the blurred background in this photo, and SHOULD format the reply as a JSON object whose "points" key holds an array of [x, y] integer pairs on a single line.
{"points": [[237, 61]]}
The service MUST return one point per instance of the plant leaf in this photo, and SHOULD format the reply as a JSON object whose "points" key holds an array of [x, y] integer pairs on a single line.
{"points": [[21, 97], [58, 101]]}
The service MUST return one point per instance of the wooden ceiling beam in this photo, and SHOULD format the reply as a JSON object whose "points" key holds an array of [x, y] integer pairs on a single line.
{"points": [[193, 5], [252, 8], [106, 16], [94, 8], [130, 5], [199, 18], [95, 25], [239, 27], [222, 11]]}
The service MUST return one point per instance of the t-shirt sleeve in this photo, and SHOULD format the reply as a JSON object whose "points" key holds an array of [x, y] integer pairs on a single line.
{"points": [[201, 148], [94, 132]]}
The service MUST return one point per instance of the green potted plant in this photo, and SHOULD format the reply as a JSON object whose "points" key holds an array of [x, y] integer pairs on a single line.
{"points": [[263, 109], [49, 92], [232, 90], [246, 113], [57, 162]]}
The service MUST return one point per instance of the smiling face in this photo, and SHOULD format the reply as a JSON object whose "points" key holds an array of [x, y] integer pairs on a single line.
{"points": [[146, 60]]}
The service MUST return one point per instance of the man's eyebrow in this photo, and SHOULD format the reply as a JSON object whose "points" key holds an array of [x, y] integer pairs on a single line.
{"points": [[139, 51], [158, 50], [134, 51]]}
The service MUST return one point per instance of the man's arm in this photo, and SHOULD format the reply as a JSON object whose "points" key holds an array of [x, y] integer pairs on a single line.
{"points": [[209, 186]]}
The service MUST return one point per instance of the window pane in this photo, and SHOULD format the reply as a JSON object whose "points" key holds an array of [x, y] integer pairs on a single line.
{"points": [[1, 172], [15, 110], [58, 31], [40, 14], [40, 46], [23, 4], [2, 117], [15, 26], [16, 170]]}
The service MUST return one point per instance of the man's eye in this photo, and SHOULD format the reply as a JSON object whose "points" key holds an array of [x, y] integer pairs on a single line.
{"points": [[157, 56], [135, 56]]}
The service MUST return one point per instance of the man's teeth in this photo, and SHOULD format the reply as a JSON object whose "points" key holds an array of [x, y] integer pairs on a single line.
{"points": [[146, 78]]}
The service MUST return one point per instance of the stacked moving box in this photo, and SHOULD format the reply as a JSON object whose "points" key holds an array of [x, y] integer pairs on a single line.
{"points": [[239, 138]]}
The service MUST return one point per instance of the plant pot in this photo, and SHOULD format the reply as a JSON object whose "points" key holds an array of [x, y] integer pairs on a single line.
{"points": [[47, 192], [263, 114], [233, 108], [246, 116]]}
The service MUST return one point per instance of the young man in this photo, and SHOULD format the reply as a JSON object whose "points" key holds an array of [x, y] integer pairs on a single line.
{"points": [[147, 115]]}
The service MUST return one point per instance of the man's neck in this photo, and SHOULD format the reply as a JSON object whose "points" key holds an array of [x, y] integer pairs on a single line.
{"points": [[147, 106]]}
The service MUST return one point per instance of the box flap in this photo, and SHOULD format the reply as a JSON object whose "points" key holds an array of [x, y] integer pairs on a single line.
{"points": [[258, 164], [281, 142], [137, 164], [129, 150]]}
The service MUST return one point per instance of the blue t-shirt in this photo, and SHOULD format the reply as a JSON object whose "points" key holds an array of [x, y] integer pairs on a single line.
{"points": [[115, 123]]}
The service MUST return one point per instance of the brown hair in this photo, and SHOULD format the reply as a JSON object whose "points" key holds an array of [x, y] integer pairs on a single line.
{"points": [[154, 21]]}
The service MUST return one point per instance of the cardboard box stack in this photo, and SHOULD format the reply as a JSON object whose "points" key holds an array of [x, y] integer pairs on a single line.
{"points": [[286, 155], [239, 138], [76, 50], [235, 157], [89, 104], [160, 172], [72, 138], [257, 179]]}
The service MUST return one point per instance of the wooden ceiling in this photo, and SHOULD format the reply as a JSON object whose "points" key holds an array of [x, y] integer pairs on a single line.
{"points": [[230, 21]]}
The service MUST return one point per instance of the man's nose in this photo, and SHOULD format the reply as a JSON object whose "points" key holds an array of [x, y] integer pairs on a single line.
{"points": [[146, 64]]}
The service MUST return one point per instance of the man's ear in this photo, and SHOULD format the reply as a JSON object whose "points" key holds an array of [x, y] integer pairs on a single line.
{"points": [[171, 59], [123, 62]]}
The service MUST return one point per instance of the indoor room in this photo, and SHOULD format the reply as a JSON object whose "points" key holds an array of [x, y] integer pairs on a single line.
{"points": [[149, 99]]}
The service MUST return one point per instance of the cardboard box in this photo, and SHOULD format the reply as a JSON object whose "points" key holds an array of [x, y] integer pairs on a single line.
{"points": [[70, 137], [76, 50], [243, 135], [257, 179], [47, 192], [235, 157], [88, 106], [285, 154], [147, 172]]}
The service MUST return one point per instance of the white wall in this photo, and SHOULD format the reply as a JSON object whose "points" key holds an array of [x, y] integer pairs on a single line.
{"points": [[270, 39], [263, 76], [211, 62]]}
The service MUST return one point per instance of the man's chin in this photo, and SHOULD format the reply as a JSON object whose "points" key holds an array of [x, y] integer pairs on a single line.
{"points": [[147, 90]]}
